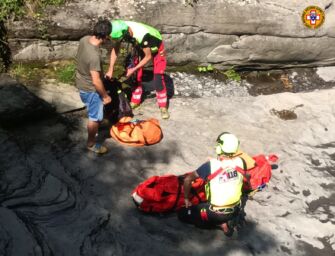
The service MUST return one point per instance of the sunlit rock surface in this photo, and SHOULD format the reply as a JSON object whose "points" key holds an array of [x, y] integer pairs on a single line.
{"points": [[253, 33], [58, 199]]}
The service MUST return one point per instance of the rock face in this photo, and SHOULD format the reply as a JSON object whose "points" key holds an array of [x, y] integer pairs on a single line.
{"points": [[245, 33], [18, 104]]}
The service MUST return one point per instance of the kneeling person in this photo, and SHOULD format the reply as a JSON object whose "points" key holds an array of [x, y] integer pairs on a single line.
{"points": [[223, 187]]}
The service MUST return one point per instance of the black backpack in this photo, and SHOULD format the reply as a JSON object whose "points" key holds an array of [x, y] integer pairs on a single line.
{"points": [[119, 107]]}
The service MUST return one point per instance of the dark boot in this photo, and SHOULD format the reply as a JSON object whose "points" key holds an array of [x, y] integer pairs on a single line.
{"points": [[228, 228]]}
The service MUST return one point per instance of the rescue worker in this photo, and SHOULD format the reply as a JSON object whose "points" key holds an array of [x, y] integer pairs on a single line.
{"points": [[149, 41], [223, 187]]}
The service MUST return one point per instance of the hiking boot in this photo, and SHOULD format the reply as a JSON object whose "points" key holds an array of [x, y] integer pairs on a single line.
{"points": [[134, 105], [227, 228], [98, 149], [165, 113]]}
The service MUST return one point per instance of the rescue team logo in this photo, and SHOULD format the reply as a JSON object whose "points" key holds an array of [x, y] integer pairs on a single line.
{"points": [[230, 173], [313, 17]]}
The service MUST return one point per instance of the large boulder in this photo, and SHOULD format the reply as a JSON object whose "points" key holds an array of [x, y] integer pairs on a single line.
{"points": [[18, 104], [247, 33]]}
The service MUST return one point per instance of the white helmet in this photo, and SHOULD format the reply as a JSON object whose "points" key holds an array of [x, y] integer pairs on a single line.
{"points": [[227, 144]]}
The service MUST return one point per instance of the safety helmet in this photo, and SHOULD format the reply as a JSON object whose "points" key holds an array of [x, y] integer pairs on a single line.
{"points": [[227, 144], [119, 28]]}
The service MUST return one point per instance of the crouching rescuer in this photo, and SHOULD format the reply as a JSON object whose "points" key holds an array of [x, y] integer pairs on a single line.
{"points": [[223, 187]]}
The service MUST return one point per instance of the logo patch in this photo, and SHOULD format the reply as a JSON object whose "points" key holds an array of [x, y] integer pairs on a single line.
{"points": [[313, 17], [227, 175], [145, 43]]}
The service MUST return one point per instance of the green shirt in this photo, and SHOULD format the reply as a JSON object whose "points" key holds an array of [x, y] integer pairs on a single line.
{"points": [[144, 35], [88, 59]]}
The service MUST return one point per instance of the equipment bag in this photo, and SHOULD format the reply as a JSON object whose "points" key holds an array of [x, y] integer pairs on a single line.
{"points": [[256, 178], [164, 194], [137, 133]]}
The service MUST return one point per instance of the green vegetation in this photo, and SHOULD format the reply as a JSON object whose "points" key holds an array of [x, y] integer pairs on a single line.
{"points": [[232, 75], [63, 71], [30, 73], [66, 73], [19, 70], [208, 68], [229, 74], [11, 9], [15, 9], [33, 73]]}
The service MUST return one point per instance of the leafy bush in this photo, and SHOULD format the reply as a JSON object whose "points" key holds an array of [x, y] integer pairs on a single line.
{"points": [[232, 75], [16, 8], [12, 9], [209, 68]]}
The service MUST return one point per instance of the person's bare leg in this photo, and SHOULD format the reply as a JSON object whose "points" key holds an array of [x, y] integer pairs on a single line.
{"points": [[92, 130]]}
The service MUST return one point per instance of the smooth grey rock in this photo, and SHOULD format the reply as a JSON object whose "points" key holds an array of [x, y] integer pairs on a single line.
{"points": [[42, 50], [64, 97], [326, 73], [254, 33], [58, 199]]}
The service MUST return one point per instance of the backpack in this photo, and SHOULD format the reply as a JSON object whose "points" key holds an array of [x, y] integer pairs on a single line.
{"points": [[119, 107], [256, 178], [137, 133], [164, 194]]}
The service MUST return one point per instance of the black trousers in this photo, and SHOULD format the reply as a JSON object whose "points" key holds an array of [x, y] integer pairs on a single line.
{"points": [[203, 216]]}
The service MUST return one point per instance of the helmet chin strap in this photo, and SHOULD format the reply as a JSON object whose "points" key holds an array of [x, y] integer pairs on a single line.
{"points": [[223, 157]]}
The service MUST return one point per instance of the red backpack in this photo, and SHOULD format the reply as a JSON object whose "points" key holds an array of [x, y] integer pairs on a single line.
{"points": [[163, 194], [256, 178]]}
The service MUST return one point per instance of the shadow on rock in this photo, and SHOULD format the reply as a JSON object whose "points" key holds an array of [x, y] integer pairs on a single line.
{"points": [[58, 199], [18, 105], [149, 85]]}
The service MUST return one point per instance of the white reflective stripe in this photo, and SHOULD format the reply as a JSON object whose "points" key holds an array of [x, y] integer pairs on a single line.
{"points": [[136, 96], [161, 100], [137, 198], [161, 95], [139, 90]]}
